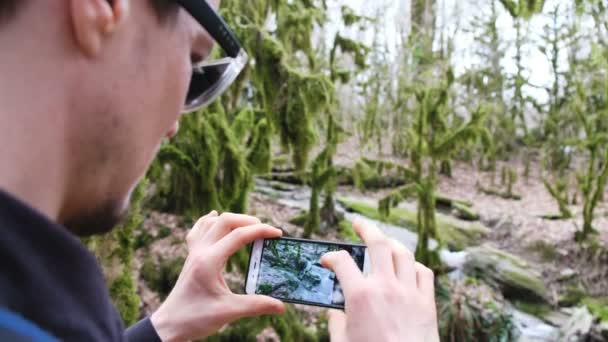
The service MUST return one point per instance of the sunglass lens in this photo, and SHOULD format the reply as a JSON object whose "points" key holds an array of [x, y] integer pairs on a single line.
{"points": [[204, 78]]}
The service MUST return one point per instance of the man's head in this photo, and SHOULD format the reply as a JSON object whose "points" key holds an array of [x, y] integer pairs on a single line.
{"points": [[113, 77]]}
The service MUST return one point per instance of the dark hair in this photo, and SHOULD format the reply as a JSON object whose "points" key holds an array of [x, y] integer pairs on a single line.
{"points": [[163, 8], [8, 8]]}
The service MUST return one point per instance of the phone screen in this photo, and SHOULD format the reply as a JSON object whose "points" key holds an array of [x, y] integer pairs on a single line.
{"points": [[290, 270]]}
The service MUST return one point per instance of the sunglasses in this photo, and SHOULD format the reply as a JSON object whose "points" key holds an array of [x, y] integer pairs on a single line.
{"points": [[211, 79]]}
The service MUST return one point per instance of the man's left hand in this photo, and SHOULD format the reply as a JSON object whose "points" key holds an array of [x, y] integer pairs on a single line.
{"points": [[201, 302]]}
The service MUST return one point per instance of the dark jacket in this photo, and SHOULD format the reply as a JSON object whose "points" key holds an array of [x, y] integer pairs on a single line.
{"points": [[51, 286]]}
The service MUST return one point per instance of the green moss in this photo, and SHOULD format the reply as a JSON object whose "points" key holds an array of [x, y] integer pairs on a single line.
{"points": [[472, 312], [456, 236], [161, 277], [289, 327], [545, 250], [148, 271], [124, 293], [448, 201], [265, 289], [115, 254], [143, 239], [513, 276], [598, 307], [300, 219], [534, 309], [163, 232], [522, 279], [465, 212], [346, 232], [572, 296]]}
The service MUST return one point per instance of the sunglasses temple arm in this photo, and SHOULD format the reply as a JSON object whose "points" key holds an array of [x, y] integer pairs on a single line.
{"points": [[214, 24]]}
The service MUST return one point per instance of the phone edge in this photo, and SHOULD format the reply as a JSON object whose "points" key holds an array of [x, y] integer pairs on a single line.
{"points": [[248, 267], [329, 306]]}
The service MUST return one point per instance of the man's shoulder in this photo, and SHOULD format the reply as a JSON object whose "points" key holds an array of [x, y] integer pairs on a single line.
{"points": [[15, 328]]}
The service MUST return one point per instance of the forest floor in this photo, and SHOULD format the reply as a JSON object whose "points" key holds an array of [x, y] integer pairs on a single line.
{"points": [[516, 227]]}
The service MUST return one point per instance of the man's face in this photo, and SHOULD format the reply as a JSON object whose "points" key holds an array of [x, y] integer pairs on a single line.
{"points": [[126, 100]]}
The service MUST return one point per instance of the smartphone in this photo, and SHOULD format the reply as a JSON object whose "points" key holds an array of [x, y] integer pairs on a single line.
{"points": [[288, 269]]}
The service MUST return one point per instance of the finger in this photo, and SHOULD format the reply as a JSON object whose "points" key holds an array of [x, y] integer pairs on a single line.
{"points": [[336, 325], [425, 279], [242, 236], [345, 268], [201, 226], [404, 262], [379, 246], [254, 305], [226, 223]]}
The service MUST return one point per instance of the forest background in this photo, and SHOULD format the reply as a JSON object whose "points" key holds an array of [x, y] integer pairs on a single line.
{"points": [[474, 132]]}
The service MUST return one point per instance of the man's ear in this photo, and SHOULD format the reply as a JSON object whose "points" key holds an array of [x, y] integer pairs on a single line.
{"points": [[93, 20]]}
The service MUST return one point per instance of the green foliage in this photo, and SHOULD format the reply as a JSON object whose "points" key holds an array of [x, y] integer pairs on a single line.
{"points": [[114, 251], [469, 311], [369, 173], [572, 296], [592, 115], [523, 8], [346, 232], [559, 192], [289, 327], [163, 232], [123, 291], [534, 309], [161, 277], [547, 251], [211, 174], [324, 173], [598, 307], [432, 139], [457, 236]]}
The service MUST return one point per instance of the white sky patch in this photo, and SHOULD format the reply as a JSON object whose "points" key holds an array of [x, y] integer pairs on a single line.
{"points": [[395, 17]]}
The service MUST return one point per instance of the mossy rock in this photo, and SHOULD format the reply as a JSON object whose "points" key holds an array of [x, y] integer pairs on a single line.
{"points": [[346, 232], [465, 213], [345, 228], [540, 310], [456, 235], [469, 310], [299, 219], [545, 250], [572, 296], [598, 307], [507, 272]]}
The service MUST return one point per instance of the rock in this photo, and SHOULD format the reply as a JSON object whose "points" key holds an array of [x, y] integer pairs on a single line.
{"points": [[578, 326], [457, 235], [557, 318], [512, 275], [602, 329], [492, 221], [464, 212], [571, 296], [300, 219], [532, 329], [566, 274]]}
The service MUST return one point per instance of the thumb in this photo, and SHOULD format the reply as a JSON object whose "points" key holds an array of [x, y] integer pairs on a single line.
{"points": [[337, 325], [256, 305]]}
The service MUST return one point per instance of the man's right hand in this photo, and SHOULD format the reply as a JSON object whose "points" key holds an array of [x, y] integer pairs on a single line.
{"points": [[395, 302]]}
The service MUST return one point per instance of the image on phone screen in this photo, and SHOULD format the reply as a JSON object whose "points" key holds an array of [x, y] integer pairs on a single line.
{"points": [[290, 270]]}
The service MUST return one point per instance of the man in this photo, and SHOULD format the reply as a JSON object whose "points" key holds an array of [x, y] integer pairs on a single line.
{"points": [[88, 89]]}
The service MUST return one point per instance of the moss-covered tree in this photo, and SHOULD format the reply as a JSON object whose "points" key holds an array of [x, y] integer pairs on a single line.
{"points": [[591, 110], [432, 139], [114, 251], [324, 174]]}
